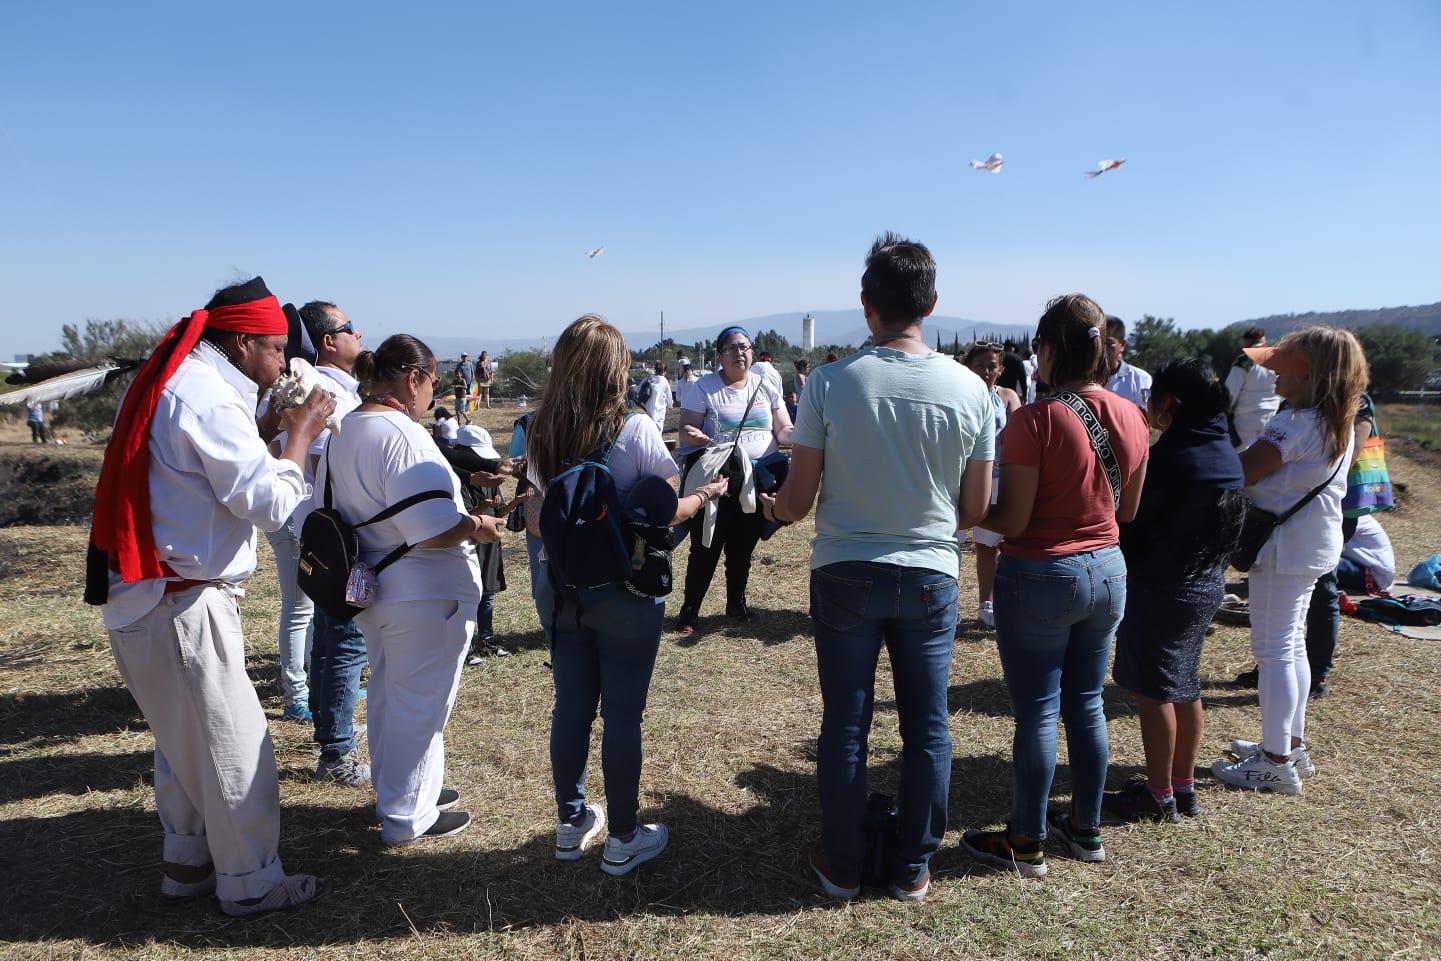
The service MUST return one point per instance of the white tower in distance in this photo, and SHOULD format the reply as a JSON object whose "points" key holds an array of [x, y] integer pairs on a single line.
{"points": [[808, 332]]}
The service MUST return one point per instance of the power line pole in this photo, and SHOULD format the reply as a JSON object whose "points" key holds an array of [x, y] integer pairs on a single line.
{"points": [[662, 335]]}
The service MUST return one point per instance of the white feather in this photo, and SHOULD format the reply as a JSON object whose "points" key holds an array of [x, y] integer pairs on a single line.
{"points": [[62, 388]]}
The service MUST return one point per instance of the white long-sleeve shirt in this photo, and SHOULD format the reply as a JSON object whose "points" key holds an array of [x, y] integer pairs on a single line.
{"points": [[212, 483]]}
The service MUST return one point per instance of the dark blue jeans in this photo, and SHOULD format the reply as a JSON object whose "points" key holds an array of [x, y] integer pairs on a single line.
{"points": [[1055, 619], [601, 656], [337, 656], [856, 608], [1323, 627]]}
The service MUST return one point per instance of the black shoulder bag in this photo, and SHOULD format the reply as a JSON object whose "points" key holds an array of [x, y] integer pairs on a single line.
{"points": [[1257, 527]]}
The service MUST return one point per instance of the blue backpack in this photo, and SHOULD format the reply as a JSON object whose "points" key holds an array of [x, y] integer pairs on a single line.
{"points": [[582, 525]]}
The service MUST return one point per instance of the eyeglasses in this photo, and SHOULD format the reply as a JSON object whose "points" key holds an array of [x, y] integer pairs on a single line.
{"points": [[735, 350], [348, 328], [988, 345], [434, 380]]}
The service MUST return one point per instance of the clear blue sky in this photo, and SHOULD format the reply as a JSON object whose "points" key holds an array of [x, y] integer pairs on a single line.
{"points": [[443, 167]]}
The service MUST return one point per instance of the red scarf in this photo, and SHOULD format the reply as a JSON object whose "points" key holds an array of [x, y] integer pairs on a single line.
{"points": [[122, 526]]}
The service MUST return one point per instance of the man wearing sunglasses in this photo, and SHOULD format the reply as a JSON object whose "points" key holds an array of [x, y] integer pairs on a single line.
{"points": [[337, 653]]}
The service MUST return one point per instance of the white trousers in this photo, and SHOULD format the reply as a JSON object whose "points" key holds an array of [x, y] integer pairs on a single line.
{"points": [[417, 650], [216, 787], [1278, 604]]}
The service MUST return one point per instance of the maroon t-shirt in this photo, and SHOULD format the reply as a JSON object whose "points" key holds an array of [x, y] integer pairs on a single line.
{"points": [[1074, 511]]}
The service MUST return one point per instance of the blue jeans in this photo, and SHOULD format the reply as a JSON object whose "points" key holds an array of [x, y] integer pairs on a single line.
{"points": [[337, 657], [539, 575], [296, 610], [856, 608], [1055, 619], [603, 655], [1323, 627]]}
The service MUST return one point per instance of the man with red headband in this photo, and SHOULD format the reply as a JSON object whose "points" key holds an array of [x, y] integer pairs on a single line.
{"points": [[186, 481]]}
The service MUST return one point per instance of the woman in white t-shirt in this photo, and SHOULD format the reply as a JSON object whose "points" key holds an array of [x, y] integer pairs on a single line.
{"points": [[605, 640], [1320, 373], [729, 407], [417, 631]]}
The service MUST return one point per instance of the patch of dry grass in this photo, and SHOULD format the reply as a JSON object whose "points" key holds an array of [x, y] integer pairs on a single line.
{"points": [[1347, 871]]}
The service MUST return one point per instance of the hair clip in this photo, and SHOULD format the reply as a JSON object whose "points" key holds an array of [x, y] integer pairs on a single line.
{"points": [[1094, 332]]}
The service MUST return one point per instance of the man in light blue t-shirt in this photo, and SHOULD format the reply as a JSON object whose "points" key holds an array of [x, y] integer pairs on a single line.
{"points": [[898, 441]]}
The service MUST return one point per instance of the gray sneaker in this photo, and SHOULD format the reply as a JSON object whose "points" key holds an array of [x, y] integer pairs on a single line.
{"points": [[347, 769], [622, 857], [571, 839]]}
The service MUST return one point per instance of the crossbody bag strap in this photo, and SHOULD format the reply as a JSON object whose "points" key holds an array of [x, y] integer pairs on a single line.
{"points": [[391, 511], [740, 428], [1100, 440], [1310, 495]]}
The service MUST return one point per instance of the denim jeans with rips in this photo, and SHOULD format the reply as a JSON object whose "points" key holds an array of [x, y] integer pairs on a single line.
{"points": [[1055, 621], [858, 607]]}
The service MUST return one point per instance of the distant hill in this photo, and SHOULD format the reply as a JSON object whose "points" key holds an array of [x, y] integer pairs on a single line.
{"points": [[1426, 319], [840, 327], [848, 327]]}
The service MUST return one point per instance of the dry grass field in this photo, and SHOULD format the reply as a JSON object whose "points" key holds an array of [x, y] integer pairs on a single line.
{"points": [[1348, 871]]}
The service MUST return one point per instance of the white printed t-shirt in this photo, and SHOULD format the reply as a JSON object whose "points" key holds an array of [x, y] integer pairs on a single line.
{"points": [[724, 407], [1310, 541]]}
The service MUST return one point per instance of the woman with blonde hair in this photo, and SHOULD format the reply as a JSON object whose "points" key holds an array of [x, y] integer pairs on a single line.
{"points": [[1320, 374], [605, 640]]}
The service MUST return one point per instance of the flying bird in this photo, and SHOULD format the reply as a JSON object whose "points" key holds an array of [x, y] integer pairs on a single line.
{"points": [[993, 163], [592, 254], [1105, 165]]}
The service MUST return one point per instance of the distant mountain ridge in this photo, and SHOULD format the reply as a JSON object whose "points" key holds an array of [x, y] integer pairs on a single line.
{"points": [[848, 327], [1426, 319]]}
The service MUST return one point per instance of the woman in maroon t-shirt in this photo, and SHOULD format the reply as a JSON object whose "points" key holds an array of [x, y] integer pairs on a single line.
{"points": [[1061, 584]]}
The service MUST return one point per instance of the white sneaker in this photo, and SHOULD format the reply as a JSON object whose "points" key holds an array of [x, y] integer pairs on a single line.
{"points": [[571, 839], [1257, 772], [621, 857], [986, 614], [1300, 756]]}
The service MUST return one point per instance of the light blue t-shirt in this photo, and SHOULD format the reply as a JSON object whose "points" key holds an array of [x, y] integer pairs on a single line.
{"points": [[896, 430]]}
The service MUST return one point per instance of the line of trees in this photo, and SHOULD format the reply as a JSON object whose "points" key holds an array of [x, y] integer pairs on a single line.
{"points": [[1400, 356]]}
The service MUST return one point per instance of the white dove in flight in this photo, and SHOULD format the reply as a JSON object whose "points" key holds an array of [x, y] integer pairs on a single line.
{"points": [[1105, 165], [993, 163]]}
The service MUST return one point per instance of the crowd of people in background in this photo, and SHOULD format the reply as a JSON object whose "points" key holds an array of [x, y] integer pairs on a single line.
{"points": [[1085, 535]]}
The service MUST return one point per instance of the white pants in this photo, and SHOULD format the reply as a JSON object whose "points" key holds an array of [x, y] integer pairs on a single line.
{"points": [[297, 615], [216, 788], [417, 650], [1278, 604]]}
